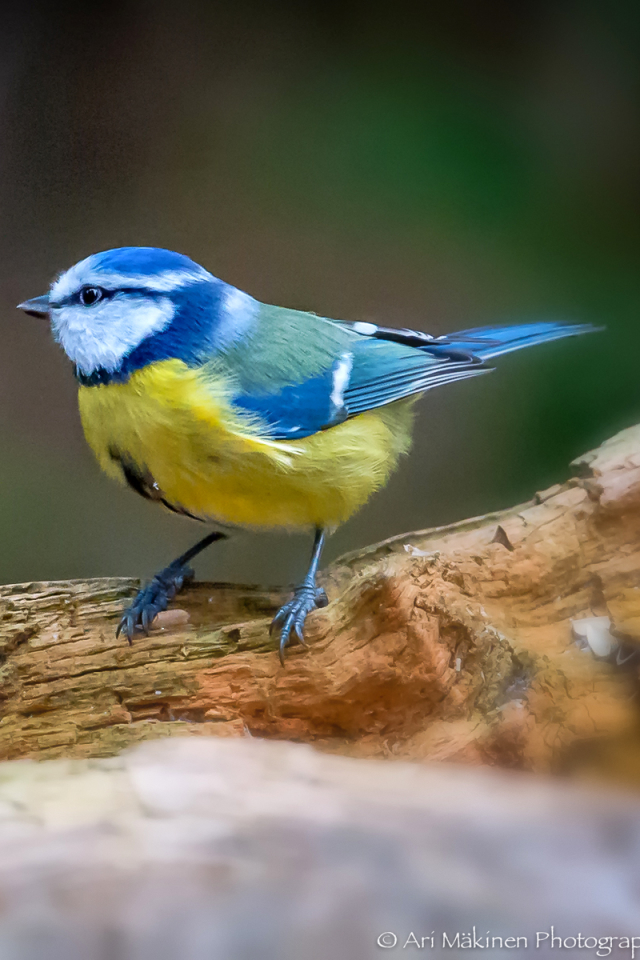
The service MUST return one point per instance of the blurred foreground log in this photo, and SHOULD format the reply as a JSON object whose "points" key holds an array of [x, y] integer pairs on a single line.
{"points": [[452, 643], [223, 850]]}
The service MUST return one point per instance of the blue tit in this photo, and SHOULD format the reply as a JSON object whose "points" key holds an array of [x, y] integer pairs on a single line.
{"points": [[226, 409]]}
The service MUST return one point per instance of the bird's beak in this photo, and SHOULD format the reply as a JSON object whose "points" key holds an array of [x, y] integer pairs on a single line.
{"points": [[37, 307]]}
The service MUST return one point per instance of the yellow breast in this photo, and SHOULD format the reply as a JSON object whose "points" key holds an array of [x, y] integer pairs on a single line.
{"points": [[185, 438]]}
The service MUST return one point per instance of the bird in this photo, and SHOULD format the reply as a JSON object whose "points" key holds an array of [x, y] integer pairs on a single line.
{"points": [[237, 413]]}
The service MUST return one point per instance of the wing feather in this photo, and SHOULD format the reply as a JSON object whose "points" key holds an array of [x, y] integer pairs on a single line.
{"points": [[369, 367]]}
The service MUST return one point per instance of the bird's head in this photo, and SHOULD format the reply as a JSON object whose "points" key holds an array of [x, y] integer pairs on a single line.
{"points": [[121, 309]]}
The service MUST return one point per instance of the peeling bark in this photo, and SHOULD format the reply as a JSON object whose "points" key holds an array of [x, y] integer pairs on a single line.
{"points": [[451, 643]]}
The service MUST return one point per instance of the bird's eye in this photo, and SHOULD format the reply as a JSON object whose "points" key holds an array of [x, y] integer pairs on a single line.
{"points": [[90, 295]]}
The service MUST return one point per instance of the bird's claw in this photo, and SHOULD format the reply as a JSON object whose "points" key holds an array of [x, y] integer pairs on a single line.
{"points": [[291, 616], [152, 599]]}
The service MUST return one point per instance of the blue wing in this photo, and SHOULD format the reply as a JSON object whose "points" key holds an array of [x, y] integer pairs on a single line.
{"points": [[384, 371], [381, 365], [298, 409]]}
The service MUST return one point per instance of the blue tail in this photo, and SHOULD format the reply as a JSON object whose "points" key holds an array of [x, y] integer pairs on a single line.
{"points": [[489, 342]]}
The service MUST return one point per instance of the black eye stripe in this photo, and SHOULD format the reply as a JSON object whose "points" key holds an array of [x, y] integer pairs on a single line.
{"points": [[137, 292]]}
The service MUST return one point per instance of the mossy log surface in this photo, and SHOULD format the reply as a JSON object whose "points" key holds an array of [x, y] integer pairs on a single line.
{"points": [[451, 643]]}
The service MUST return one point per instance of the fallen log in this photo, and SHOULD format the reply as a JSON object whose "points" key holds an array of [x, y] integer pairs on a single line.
{"points": [[454, 643], [224, 850]]}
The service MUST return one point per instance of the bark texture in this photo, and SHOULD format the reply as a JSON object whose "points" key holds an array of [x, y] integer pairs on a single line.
{"points": [[453, 643]]}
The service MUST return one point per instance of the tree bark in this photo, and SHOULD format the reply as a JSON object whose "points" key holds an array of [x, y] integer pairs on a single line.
{"points": [[450, 643]]}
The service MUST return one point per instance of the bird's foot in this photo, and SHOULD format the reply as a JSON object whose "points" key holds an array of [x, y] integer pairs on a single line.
{"points": [[153, 598], [290, 618]]}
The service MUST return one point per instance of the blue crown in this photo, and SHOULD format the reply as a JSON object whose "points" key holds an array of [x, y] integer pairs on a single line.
{"points": [[143, 260]]}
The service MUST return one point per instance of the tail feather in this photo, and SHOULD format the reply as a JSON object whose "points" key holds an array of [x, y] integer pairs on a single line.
{"points": [[485, 343]]}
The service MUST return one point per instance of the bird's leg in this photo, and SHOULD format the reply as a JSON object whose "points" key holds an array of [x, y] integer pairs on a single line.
{"points": [[156, 595], [306, 597]]}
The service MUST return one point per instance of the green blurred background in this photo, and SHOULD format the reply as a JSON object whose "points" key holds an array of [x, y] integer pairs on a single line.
{"points": [[440, 166]]}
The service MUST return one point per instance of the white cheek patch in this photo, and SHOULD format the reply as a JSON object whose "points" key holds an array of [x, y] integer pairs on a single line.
{"points": [[101, 336]]}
